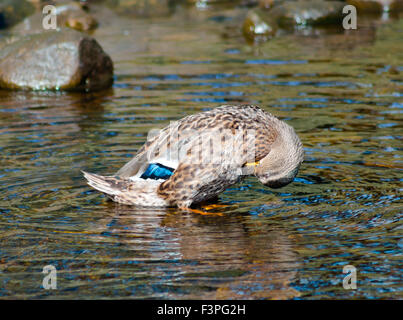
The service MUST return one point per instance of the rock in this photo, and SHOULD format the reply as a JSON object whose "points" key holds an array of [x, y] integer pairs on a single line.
{"points": [[38, 4], [74, 16], [377, 6], [55, 60], [309, 12], [70, 14], [219, 5], [141, 8], [367, 6], [248, 3], [258, 25], [266, 4], [396, 6], [209, 2], [13, 11]]}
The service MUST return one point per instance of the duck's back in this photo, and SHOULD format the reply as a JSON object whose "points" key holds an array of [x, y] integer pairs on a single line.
{"points": [[172, 145]]}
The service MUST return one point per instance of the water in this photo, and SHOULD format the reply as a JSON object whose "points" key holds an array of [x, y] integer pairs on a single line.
{"points": [[342, 94]]}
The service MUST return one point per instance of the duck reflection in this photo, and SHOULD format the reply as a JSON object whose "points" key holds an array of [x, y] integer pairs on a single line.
{"points": [[233, 256]]}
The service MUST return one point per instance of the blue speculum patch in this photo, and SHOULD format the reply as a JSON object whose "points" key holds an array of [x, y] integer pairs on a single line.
{"points": [[157, 171]]}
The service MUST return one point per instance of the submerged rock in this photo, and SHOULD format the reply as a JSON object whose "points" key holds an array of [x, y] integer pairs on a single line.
{"points": [[258, 25], [65, 60], [13, 11], [308, 12], [141, 8]]}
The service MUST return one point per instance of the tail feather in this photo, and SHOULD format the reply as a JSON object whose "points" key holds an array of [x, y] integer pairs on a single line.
{"points": [[127, 191], [108, 185]]}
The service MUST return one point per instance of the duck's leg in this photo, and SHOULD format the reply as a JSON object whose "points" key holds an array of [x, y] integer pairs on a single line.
{"points": [[204, 209], [204, 213], [214, 206]]}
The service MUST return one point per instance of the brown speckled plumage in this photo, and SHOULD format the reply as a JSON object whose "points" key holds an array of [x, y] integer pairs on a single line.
{"points": [[208, 151]]}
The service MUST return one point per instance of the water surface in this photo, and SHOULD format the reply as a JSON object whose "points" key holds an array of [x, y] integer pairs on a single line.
{"points": [[342, 94]]}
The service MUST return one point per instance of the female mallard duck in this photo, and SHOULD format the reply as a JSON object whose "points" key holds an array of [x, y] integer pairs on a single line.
{"points": [[197, 157]]}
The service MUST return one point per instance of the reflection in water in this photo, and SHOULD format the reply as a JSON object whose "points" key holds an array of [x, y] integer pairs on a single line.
{"points": [[343, 208], [229, 255], [225, 257]]}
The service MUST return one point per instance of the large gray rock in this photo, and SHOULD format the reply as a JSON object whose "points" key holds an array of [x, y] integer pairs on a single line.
{"points": [[13, 11], [55, 60]]}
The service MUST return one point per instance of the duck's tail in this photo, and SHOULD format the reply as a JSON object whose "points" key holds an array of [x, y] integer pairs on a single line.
{"points": [[109, 185], [127, 191]]}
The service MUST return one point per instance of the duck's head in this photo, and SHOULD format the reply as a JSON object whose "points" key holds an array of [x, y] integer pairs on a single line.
{"points": [[280, 166]]}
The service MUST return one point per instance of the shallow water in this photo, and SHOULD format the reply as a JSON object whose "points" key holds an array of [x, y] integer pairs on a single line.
{"points": [[342, 94]]}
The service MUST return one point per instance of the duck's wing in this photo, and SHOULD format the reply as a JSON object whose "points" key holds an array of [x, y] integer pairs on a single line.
{"points": [[158, 149], [194, 183], [214, 161], [169, 146], [200, 132], [134, 166]]}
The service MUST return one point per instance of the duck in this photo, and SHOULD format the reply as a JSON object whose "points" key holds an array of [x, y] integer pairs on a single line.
{"points": [[194, 159]]}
